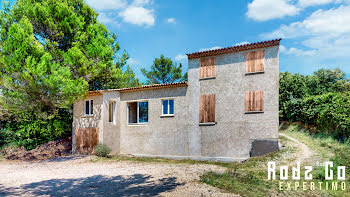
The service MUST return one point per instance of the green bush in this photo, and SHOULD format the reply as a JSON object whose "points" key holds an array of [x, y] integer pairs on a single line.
{"points": [[330, 113], [29, 131], [321, 100], [102, 150]]}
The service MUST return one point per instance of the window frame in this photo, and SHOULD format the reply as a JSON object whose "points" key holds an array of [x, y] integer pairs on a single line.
{"points": [[168, 106], [137, 113], [91, 107], [114, 105]]}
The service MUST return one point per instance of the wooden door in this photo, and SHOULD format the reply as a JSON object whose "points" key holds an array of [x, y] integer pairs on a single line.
{"points": [[86, 140]]}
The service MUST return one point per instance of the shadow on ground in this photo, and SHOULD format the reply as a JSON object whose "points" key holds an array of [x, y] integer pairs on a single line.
{"points": [[66, 158], [135, 185]]}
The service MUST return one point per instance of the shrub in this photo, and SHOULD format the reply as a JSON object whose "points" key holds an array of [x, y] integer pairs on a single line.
{"points": [[329, 113], [29, 131], [321, 101], [102, 150]]}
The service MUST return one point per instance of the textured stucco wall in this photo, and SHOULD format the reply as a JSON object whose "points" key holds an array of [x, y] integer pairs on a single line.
{"points": [[161, 135], [235, 130], [110, 134], [82, 121]]}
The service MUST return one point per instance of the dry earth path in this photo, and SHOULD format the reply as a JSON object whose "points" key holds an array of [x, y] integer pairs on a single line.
{"points": [[74, 176], [304, 152], [80, 177]]}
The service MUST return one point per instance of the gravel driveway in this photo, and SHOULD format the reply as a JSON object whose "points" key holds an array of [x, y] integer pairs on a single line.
{"points": [[80, 177]]}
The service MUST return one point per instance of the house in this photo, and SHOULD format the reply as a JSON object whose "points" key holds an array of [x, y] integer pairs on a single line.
{"points": [[227, 111]]}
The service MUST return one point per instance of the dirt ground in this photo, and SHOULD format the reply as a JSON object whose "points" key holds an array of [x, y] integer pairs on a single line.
{"points": [[78, 176], [304, 153]]}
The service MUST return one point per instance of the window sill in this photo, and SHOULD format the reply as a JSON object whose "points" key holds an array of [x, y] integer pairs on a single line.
{"points": [[254, 112], [138, 124], [255, 73], [87, 116], [167, 115], [207, 78], [207, 123]]}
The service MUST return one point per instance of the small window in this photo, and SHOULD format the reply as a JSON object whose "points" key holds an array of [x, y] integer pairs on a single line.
{"points": [[111, 111], [89, 107], [254, 101], [168, 107], [207, 68], [137, 112]]}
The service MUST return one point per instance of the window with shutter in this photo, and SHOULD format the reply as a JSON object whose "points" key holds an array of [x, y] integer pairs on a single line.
{"points": [[254, 61], [254, 101], [207, 68], [207, 108]]}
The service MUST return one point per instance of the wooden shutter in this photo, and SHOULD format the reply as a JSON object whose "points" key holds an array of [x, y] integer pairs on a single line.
{"points": [[255, 61], [86, 139], [207, 67], [254, 101], [207, 108]]}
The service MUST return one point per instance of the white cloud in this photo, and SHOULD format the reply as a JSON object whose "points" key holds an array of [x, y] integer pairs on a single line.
{"points": [[180, 57], [208, 49], [307, 3], [138, 16], [136, 12], [332, 22], [102, 5], [171, 20], [263, 10], [286, 31], [133, 62], [242, 43], [141, 2], [296, 52], [107, 18], [219, 47], [325, 32]]}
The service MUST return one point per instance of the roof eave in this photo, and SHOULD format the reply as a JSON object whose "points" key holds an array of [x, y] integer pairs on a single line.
{"points": [[141, 88], [233, 49]]}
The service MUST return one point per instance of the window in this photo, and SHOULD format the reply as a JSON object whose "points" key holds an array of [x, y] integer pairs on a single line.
{"points": [[89, 107], [254, 101], [207, 68], [168, 107], [111, 111], [254, 61], [138, 112], [207, 108]]}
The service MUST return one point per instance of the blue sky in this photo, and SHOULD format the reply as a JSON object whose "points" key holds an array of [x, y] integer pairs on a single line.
{"points": [[315, 33]]}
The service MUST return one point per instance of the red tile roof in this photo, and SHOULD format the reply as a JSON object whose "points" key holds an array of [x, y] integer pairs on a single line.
{"points": [[154, 86], [232, 49], [145, 87], [94, 93]]}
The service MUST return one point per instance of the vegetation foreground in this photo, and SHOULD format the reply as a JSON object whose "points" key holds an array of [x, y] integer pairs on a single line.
{"points": [[250, 178]]}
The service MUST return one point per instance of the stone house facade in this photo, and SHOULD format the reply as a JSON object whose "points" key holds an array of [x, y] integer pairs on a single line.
{"points": [[227, 111]]}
